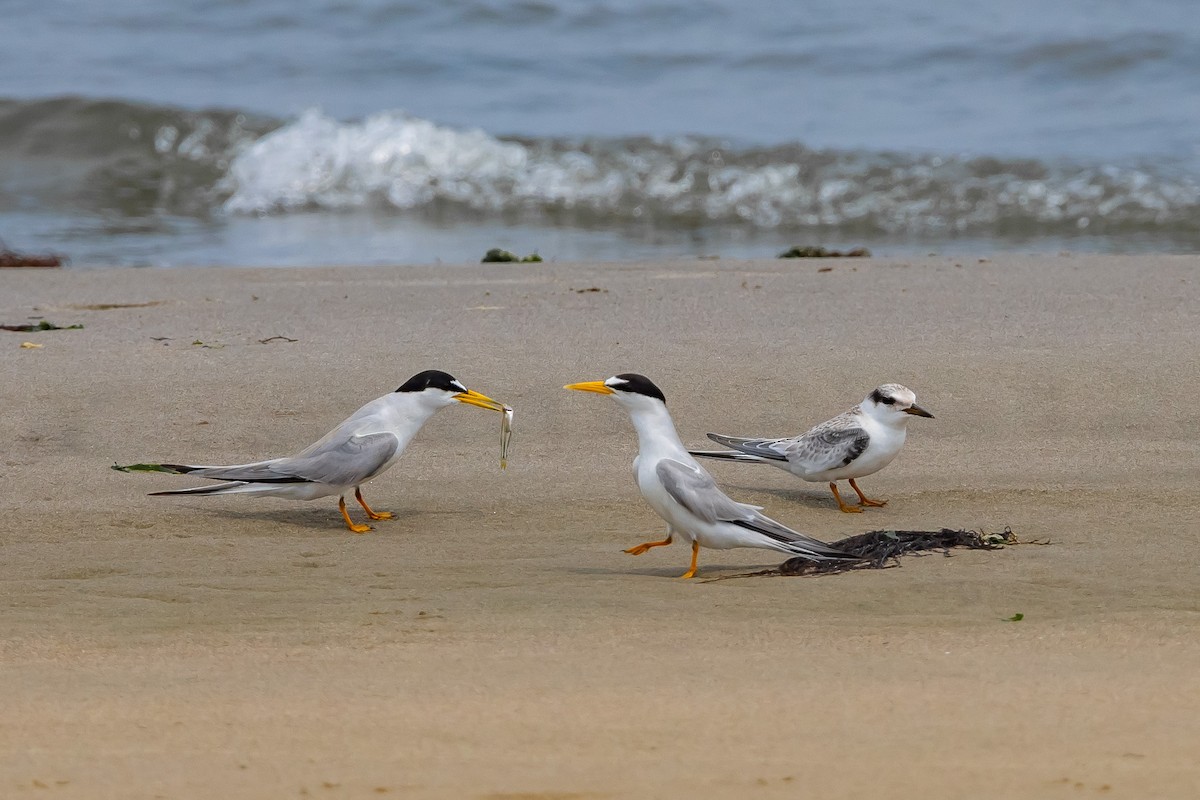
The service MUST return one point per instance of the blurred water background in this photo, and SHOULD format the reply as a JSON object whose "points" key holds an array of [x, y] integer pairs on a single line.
{"points": [[299, 132]]}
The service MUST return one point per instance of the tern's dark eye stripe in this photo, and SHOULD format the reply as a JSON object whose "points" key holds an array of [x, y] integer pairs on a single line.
{"points": [[880, 397]]}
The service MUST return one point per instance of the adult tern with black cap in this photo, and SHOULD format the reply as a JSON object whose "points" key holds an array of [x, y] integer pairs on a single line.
{"points": [[361, 448], [684, 494]]}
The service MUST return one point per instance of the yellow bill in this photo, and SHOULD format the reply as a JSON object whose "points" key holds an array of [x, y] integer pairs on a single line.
{"points": [[482, 400], [590, 386]]}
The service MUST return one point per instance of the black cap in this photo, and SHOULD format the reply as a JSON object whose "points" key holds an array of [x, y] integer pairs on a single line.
{"points": [[638, 384], [432, 379]]}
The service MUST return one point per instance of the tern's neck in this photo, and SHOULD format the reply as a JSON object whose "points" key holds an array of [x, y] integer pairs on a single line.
{"points": [[888, 420], [655, 429], [409, 413]]}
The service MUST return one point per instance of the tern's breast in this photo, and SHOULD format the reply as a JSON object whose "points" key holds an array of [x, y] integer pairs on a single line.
{"points": [[883, 447], [653, 491]]}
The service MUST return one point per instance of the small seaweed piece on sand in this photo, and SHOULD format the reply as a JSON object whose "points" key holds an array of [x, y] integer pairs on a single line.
{"points": [[800, 251], [881, 549], [497, 255], [145, 468]]}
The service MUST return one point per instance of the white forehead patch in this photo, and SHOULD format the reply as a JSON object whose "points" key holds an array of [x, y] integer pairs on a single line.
{"points": [[902, 394]]}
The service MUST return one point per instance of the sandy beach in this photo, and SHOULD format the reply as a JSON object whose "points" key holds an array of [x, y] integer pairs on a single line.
{"points": [[494, 642]]}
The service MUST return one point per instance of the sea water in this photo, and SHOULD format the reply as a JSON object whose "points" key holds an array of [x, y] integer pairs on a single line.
{"points": [[336, 132]]}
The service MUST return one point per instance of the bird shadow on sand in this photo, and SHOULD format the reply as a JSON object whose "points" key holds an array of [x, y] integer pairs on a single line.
{"points": [[323, 520], [671, 571]]}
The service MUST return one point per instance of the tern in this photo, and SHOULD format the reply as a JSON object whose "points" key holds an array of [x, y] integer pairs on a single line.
{"points": [[684, 494], [361, 448], [853, 444]]}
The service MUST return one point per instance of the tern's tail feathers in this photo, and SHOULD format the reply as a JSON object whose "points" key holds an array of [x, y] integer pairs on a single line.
{"points": [[243, 487], [216, 488], [256, 472], [728, 455], [794, 542], [762, 448]]}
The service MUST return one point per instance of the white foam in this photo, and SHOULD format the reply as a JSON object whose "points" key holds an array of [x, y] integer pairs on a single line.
{"points": [[403, 162], [318, 162]]}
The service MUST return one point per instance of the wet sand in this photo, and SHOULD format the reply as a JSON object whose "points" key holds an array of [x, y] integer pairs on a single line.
{"points": [[494, 641]]}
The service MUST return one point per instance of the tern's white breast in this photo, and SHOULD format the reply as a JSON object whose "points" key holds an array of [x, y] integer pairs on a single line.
{"points": [[884, 445]]}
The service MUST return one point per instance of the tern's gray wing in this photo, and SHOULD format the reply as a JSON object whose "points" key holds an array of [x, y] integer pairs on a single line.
{"points": [[825, 448], [345, 460], [695, 490], [830, 445], [762, 448], [342, 461]]}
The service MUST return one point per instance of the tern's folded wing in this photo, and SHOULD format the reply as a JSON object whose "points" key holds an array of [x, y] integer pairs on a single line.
{"points": [[762, 448], [695, 490], [342, 461], [822, 449]]}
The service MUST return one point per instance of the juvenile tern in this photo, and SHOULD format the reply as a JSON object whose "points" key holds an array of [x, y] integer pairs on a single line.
{"points": [[853, 444], [683, 493], [361, 448]]}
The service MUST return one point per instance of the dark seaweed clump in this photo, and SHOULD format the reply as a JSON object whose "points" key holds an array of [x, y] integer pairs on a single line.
{"points": [[498, 255], [808, 251], [881, 549]]}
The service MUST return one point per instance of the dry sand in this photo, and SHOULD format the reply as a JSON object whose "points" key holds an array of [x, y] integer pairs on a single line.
{"points": [[494, 641]]}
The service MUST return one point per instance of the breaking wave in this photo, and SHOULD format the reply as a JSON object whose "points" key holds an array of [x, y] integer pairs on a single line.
{"points": [[135, 161], [393, 161]]}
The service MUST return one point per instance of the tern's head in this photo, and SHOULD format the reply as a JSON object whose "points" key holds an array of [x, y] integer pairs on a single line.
{"points": [[894, 404], [629, 389], [437, 389]]}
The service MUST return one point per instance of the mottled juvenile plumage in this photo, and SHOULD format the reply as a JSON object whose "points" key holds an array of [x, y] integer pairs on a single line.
{"points": [[853, 444]]}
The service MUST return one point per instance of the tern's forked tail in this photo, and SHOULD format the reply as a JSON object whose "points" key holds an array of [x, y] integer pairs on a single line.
{"points": [[758, 449], [794, 542], [215, 488], [728, 455]]}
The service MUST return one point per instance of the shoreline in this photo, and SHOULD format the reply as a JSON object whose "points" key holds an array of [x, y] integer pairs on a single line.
{"points": [[494, 641]]}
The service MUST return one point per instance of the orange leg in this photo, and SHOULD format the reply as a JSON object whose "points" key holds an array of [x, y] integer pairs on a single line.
{"points": [[866, 501], [691, 573], [841, 505], [370, 514], [637, 550], [350, 524]]}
